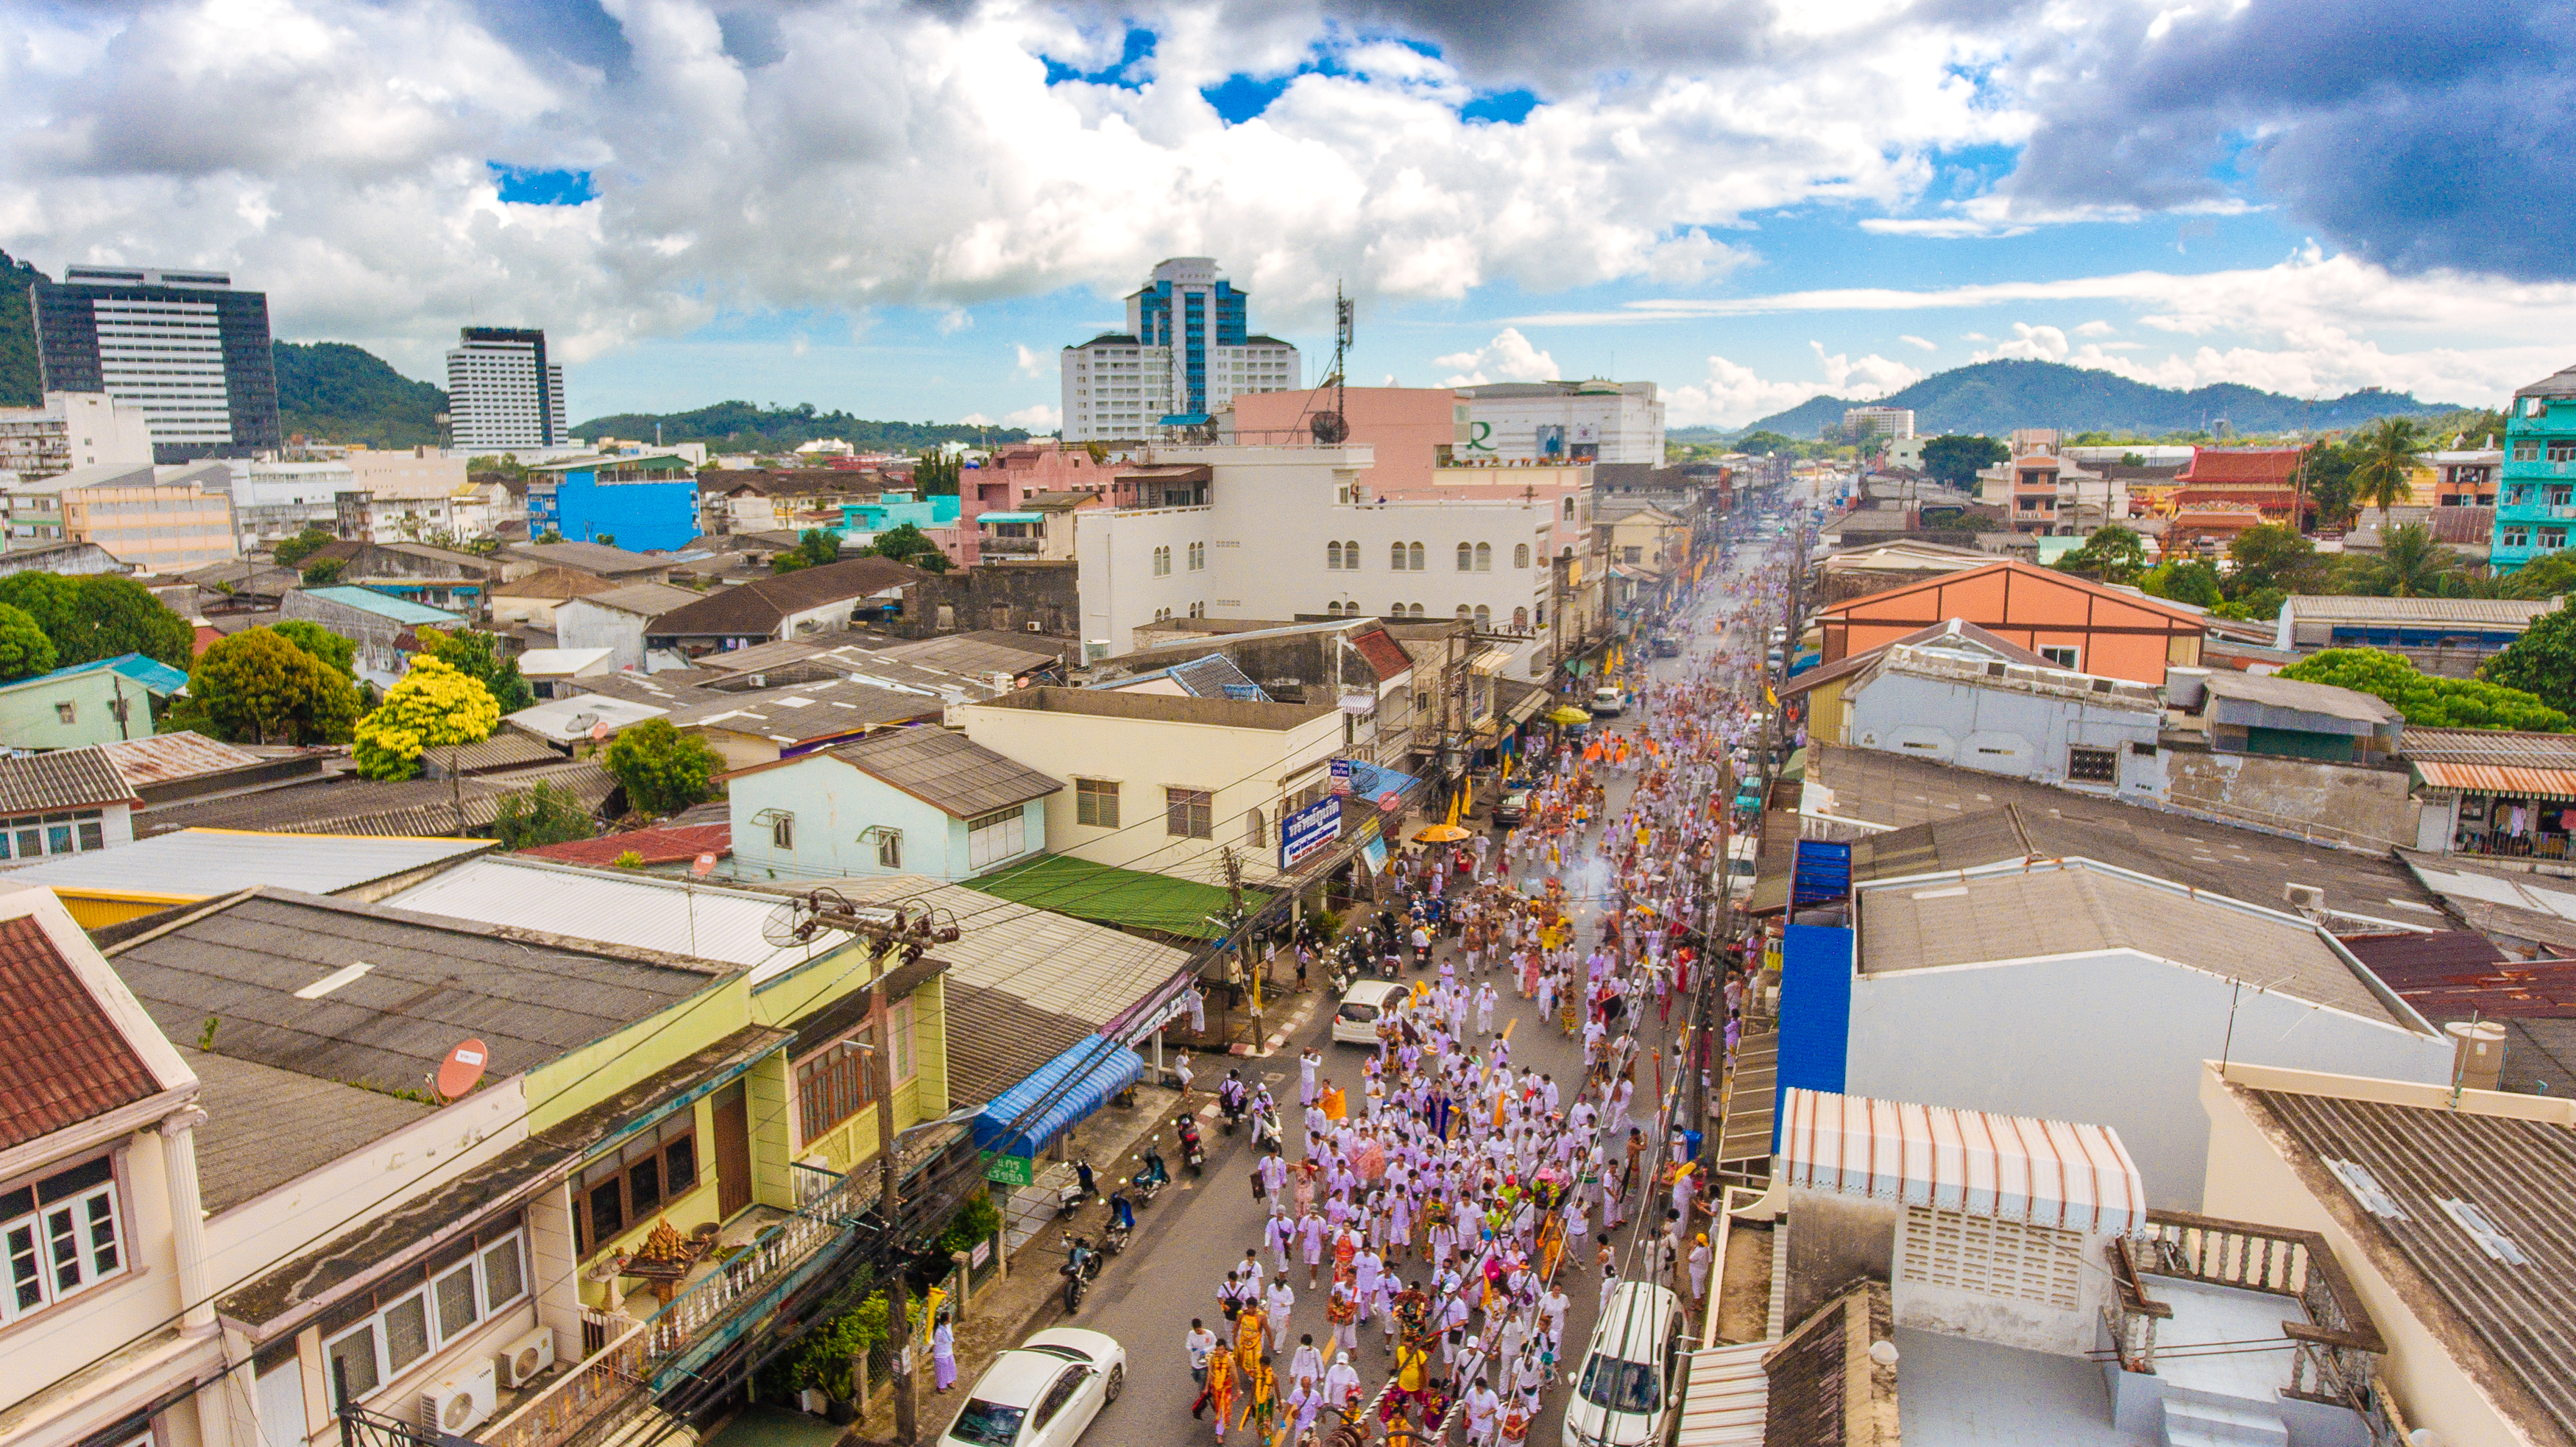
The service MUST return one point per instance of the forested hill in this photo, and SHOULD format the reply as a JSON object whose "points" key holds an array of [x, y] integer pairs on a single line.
{"points": [[334, 392], [743, 427], [1993, 398]]}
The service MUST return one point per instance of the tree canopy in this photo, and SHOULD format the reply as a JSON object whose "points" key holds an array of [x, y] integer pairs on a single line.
{"points": [[1953, 459], [24, 649], [341, 653], [2113, 554], [908, 544], [814, 547], [291, 551], [2384, 463], [546, 814], [432, 706], [2541, 662], [663, 770], [477, 655], [100, 616], [2428, 702], [260, 687]]}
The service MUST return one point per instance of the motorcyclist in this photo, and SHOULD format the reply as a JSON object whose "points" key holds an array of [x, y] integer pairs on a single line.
{"points": [[1082, 1173], [1229, 1094], [1155, 1172], [1121, 1212]]}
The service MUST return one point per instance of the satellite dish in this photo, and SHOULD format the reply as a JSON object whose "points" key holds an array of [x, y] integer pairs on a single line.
{"points": [[792, 923], [462, 1069], [1329, 427], [703, 865]]}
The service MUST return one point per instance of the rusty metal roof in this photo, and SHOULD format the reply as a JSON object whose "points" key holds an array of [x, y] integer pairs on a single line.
{"points": [[2497, 778], [168, 758]]}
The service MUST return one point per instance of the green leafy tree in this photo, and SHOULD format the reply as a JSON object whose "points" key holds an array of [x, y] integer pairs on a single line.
{"points": [[663, 770], [2541, 662], [2187, 580], [291, 551], [546, 814], [477, 655], [434, 705], [2428, 702], [2326, 473], [101, 616], [1765, 443], [258, 687], [2113, 554], [935, 474], [24, 648], [2412, 563], [814, 548], [2543, 577], [324, 572], [906, 543], [341, 653], [2383, 465], [2272, 556], [1953, 459]]}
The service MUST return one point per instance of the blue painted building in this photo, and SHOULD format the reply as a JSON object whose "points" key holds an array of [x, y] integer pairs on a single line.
{"points": [[641, 504], [2536, 497], [862, 521]]}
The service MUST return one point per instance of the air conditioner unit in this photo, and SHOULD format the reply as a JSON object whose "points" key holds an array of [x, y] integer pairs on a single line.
{"points": [[524, 1358], [460, 1403], [1033, 626], [2304, 896]]}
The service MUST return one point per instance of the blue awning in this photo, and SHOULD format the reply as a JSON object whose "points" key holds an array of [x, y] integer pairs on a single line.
{"points": [[1063, 1091], [1010, 517]]}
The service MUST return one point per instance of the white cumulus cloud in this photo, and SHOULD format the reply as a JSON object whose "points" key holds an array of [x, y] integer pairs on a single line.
{"points": [[1042, 417], [1509, 357]]}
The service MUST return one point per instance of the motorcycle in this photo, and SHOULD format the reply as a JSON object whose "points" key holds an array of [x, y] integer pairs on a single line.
{"points": [[1193, 1154], [1076, 1191], [1265, 1130], [1122, 1224], [1149, 1181], [1081, 1267], [1229, 1104], [1388, 966]]}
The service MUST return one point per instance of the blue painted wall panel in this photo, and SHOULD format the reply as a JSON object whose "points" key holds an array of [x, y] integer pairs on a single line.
{"points": [[1815, 1013], [642, 517]]}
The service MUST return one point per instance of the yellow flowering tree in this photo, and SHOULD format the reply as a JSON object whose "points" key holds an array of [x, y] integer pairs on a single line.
{"points": [[434, 705]]}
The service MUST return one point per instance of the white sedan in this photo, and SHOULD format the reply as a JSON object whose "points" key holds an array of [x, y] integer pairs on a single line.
{"points": [[1355, 1023], [1042, 1393]]}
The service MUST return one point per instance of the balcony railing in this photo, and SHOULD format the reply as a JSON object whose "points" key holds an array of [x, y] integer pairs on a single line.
{"points": [[602, 1388], [824, 1209], [2337, 1348], [1013, 545]]}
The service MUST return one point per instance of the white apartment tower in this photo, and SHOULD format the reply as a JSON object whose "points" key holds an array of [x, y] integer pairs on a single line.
{"points": [[1185, 355], [502, 392]]}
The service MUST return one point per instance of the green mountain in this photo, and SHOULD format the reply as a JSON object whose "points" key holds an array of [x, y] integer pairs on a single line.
{"points": [[19, 383], [332, 391], [740, 426], [1993, 398]]}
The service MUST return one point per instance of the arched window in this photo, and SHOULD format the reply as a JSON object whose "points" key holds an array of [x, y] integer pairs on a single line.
{"points": [[1520, 620], [1351, 557], [1413, 557], [1395, 612], [1484, 557], [1462, 612], [1520, 556], [1484, 619], [1395, 556], [1466, 558], [1333, 557], [1417, 608]]}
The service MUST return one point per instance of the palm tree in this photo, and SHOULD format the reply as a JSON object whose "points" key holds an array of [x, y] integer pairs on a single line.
{"points": [[2384, 460], [2412, 563]]}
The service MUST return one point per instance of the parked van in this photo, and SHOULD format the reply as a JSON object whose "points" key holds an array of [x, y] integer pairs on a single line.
{"points": [[1630, 1381]]}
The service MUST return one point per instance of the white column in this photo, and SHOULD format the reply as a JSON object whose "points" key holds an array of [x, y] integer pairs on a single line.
{"points": [[187, 1219]]}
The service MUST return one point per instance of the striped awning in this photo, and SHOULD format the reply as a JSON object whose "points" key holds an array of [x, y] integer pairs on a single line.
{"points": [[2497, 778], [2007, 1167]]}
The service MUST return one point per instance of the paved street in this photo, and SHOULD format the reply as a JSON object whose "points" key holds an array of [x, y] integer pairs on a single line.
{"points": [[1189, 1238]]}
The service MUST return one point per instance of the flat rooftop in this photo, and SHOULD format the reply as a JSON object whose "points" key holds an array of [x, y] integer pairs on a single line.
{"points": [[1162, 708]]}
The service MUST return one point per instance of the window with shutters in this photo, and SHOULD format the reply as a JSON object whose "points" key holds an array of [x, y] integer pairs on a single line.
{"points": [[375, 1336], [994, 837], [63, 1235], [1988, 1257]]}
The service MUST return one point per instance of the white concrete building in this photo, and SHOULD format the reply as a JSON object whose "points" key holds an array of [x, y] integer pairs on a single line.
{"points": [[1594, 421], [1954, 705], [1895, 423], [72, 429], [275, 500], [1186, 353], [1282, 532], [502, 392]]}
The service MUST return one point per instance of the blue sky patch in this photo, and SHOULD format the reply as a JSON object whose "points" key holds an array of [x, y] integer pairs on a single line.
{"points": [[1238, 98], [1505, 107], [530, 186], [1138, 45]]}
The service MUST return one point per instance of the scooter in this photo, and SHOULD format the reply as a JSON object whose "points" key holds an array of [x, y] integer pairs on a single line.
{"points": [[1081, 1266], [1265, 1130], [1122, 1223], [1193, 1154], [1147, 1183], [1229, 1105], [1073, 1193]]}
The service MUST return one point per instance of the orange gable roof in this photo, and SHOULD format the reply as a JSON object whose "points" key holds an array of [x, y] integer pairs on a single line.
{"points": [[2276, 466], [1870, 603]]}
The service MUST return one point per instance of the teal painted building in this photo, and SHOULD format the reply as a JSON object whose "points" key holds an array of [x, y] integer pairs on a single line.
{"points": [[2536, 495], [89, 703], [862, 521], [918, 801]]}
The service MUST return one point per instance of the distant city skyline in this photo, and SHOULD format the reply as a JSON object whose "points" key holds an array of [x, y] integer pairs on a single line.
{"points": [[1748, 214]]}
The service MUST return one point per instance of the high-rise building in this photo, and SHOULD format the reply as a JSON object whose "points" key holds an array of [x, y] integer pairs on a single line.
{"points": [[1592, 421], [83, 429], [1185, 354], [1890, 422], [184, 347], [502, 392]]}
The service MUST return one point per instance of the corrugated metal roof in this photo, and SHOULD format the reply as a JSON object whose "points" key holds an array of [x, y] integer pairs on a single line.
{"points": [[383, 605], [168, 758], [668, 844], [567, 719], [2008, 1167], [347, 805], [2492, 746], [2289, 694], [64, 779], [950, 772], [1053, 962], [2520, 1174], [2362, 608], [2497, 779], [675, 917], [1728, 1397], [151, 673], [199, 863]]}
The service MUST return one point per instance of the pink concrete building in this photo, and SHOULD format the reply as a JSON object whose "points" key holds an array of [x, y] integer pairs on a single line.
{"points": [[1412, 428]]}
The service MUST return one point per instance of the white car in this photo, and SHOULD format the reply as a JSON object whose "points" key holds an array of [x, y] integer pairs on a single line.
{"points": [[1355, 1023], [1041, 1393], [1608, 703], [1630, 1381]]}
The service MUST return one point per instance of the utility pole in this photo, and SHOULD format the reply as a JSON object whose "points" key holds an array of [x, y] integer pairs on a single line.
{"points": [[898, 1299], [1243, 966]]}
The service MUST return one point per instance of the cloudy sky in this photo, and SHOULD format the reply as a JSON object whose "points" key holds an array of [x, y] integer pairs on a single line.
{"points": [[905, 209]]}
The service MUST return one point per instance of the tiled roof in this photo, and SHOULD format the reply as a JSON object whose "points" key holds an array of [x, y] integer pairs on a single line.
{"points": [[64, 779], [1382, 652], [980, 652], [645, 600], [2241, 464], [1813, 1394], [168, 758], [747, 609], [948, 771], [62, 1058], [597, 558], [423, 807], [2499, 747], [554, 583], [670, 844]]}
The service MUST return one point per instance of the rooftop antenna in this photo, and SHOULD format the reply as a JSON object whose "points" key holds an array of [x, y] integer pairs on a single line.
{"points": [[1335, 426]]}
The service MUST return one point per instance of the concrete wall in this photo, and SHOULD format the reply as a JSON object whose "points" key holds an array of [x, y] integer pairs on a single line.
{"points": [[31, 716], [833, 804], [2113, 1039], [580, 623], [2008, 731], [2367, 807], [1004, 595], [2007, 1320], [1630, 425], [1833, 1238], [643, 517]]}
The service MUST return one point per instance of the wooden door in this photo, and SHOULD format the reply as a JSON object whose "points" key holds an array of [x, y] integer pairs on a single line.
{"points": [[733, 1151]]}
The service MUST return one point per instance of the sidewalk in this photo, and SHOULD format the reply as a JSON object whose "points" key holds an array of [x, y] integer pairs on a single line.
{"points": [[1031, 1297]]}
